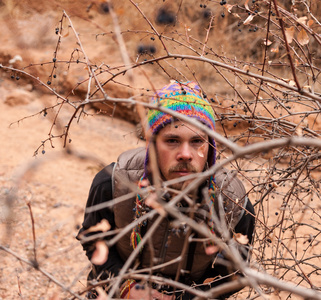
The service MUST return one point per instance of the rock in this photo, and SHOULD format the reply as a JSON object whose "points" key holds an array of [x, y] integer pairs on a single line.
{"points": [[18, 97], [15, 59], [29, 87]]}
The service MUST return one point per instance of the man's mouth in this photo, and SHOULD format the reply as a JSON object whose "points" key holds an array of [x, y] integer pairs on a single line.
{"points": [[182, 169], [183, 172]]}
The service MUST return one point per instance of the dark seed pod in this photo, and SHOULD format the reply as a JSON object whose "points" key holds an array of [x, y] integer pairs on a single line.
{"points": [[141, 49], [104, 7], [144, 49], [165, 17], [207, 13], [152, 49]]}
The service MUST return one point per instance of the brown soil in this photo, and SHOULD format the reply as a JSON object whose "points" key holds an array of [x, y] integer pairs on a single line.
{"points": [[56, 189]]}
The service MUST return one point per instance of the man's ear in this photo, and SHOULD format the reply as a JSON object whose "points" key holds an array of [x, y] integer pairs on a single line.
{"points": [[153, 164]]}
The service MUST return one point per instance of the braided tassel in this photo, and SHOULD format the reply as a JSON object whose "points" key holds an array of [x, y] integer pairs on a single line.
{"points": [[211, 191], [135, 237]]}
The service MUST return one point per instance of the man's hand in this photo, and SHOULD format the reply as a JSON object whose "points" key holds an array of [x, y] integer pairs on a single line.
{"points": [[146, 293]]}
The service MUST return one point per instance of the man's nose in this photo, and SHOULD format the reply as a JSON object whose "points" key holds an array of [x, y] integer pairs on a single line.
{"points": [[185, 152]]}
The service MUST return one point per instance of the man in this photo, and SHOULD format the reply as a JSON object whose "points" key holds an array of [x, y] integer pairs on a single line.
{"points": [[173, 248]]}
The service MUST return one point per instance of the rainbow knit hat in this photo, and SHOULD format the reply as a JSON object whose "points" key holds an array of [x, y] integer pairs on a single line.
{"points": [[186, 99]]}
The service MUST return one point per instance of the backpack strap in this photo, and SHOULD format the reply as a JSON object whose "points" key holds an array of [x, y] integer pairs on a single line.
{"points": [[231, 196], [128, 168]]}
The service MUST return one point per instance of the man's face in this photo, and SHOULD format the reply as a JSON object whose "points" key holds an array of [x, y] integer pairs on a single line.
{"points": [[182, 149]]}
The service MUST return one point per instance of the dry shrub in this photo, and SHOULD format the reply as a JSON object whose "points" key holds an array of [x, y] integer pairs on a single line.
{"points": [[257, 63]]}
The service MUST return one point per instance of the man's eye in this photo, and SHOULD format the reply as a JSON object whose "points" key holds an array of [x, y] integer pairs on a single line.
{"points": [[171, 141], [198, 142]]}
